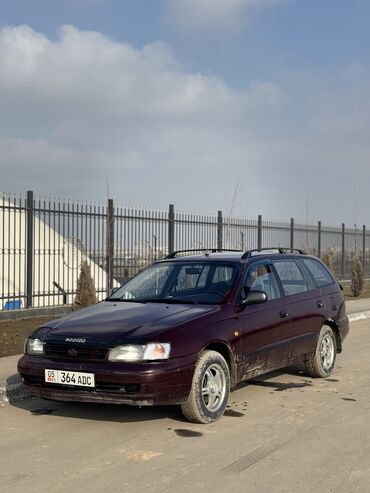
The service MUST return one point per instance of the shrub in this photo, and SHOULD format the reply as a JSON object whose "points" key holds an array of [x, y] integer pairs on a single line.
{"points": [[357, 283], [85, 294], [328, 260]]}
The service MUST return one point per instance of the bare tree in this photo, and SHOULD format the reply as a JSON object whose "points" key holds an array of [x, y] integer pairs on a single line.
{"points": [[236, 192]]}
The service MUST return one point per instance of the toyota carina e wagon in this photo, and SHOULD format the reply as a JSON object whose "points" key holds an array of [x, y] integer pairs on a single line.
{"points": [[188, 328]]}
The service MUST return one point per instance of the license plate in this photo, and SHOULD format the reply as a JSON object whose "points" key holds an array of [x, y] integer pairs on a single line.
{"points": [[64, 377]]}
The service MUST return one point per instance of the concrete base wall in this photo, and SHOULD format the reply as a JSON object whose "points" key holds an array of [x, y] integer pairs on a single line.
{"points": [[50, 311]]}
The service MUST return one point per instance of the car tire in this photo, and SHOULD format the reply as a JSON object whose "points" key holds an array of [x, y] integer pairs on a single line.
{"points": [[210, 389], [322, 362]]}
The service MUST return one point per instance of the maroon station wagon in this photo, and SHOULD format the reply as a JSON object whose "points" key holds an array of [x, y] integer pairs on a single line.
{"points": [[187, 329]]}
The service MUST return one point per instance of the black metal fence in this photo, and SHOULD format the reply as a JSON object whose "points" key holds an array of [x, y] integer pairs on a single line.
{"points": [[43, 243]]}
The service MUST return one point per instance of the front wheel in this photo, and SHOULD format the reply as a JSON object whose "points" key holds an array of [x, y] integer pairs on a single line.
{"points": [[323, 361], [210, 389]]}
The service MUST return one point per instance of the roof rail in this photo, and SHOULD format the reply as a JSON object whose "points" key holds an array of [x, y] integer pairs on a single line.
{"points": [[281, 250], [205, 250]]}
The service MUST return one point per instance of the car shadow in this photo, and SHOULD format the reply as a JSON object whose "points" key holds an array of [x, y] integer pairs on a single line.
{"points": [[20, 397]]}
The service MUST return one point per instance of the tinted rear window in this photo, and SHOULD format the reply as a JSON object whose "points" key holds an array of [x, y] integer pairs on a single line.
{"points": [[319, 272], [291, 277]]}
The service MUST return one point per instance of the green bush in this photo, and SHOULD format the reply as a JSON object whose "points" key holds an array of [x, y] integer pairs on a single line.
{"points": [[328, 260], [85, 294], [358, 281]]}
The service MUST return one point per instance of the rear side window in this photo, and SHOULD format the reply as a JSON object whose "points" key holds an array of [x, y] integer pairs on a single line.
{"points": [[319, 273], [291, 277]]}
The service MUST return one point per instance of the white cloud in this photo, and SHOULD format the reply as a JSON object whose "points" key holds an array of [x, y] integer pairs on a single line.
{"points": [[204, 16], [87, 99], [84, 107]]}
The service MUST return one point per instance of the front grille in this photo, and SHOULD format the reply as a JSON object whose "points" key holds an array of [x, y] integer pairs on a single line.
{"points": [[71, 352]]}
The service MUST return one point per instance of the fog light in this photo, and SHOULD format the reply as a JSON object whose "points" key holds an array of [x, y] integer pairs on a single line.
{"points": [[132, 388]]}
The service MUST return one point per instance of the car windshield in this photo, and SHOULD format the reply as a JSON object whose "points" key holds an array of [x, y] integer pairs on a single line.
{"points": [[180, 282]]}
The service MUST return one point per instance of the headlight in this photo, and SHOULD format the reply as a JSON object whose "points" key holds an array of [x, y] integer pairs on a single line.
{"points": [[149, 352], [34, 347], [157, 350]]}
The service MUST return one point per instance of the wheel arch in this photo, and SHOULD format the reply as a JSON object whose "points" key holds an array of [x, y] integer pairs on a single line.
{"points": [[225, 351], [334, 326]]}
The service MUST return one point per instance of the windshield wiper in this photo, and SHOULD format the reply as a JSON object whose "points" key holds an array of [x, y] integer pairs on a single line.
{"points": [[133, 300], [171, 300]]}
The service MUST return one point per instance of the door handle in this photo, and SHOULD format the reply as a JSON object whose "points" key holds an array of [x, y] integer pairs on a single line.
{"points": [[284, 314], [320, 304]]}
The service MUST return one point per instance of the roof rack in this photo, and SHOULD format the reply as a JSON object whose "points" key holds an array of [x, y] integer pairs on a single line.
{"points": [[205, 250], [281, 250]]}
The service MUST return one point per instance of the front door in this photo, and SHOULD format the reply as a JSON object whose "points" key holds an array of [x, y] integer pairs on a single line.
{"points": [[265, 327]]}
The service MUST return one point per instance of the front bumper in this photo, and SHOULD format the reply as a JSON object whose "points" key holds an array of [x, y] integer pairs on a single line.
{"points": [[145, 384]]}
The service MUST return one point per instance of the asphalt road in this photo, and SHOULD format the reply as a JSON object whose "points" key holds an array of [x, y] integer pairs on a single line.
{"points": [[284, 432]]}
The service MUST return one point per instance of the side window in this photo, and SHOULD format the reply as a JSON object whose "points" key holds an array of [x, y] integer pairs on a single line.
{"points": [[291, 277], [261, 278], [318, 271]]}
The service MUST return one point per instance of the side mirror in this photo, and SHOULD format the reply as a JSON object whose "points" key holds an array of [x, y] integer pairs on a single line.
{"points": [[255, 298]]}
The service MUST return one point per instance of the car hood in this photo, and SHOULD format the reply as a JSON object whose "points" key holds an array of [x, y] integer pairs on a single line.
{"points": [[124, 321]]}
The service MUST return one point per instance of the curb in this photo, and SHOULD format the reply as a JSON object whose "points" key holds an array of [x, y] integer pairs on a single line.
{"points": [[353, 317], [13, 393], [57, 311]]}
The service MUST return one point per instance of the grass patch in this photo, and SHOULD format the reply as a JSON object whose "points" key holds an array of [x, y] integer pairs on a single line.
{"points": [[14, 332]]}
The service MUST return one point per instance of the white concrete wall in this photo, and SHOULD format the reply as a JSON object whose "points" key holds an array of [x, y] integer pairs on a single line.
{"points": [[56, 259]]}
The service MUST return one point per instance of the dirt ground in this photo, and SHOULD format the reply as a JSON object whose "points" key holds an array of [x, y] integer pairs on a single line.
{"points": [[283, 433], [14, 332]]}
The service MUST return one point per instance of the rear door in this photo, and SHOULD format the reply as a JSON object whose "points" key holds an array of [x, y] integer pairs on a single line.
{"points": [[305, 305], [264, 327], [330, 289]]}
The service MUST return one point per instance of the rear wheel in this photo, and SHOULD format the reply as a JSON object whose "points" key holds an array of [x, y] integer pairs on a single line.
{"points": [[322, 362], [210, 389]]}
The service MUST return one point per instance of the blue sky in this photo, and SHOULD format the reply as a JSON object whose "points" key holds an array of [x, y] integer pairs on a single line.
{"points": [[295, 33], [280, 86], [319, 34]]}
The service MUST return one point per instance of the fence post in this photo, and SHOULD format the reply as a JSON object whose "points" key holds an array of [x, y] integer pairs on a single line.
{"points": [[292, 232], [364, 248], [259, 233], [171, 229], [110, 244], [319, 239], [219, 230], [343, 247], [29, 251]]}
